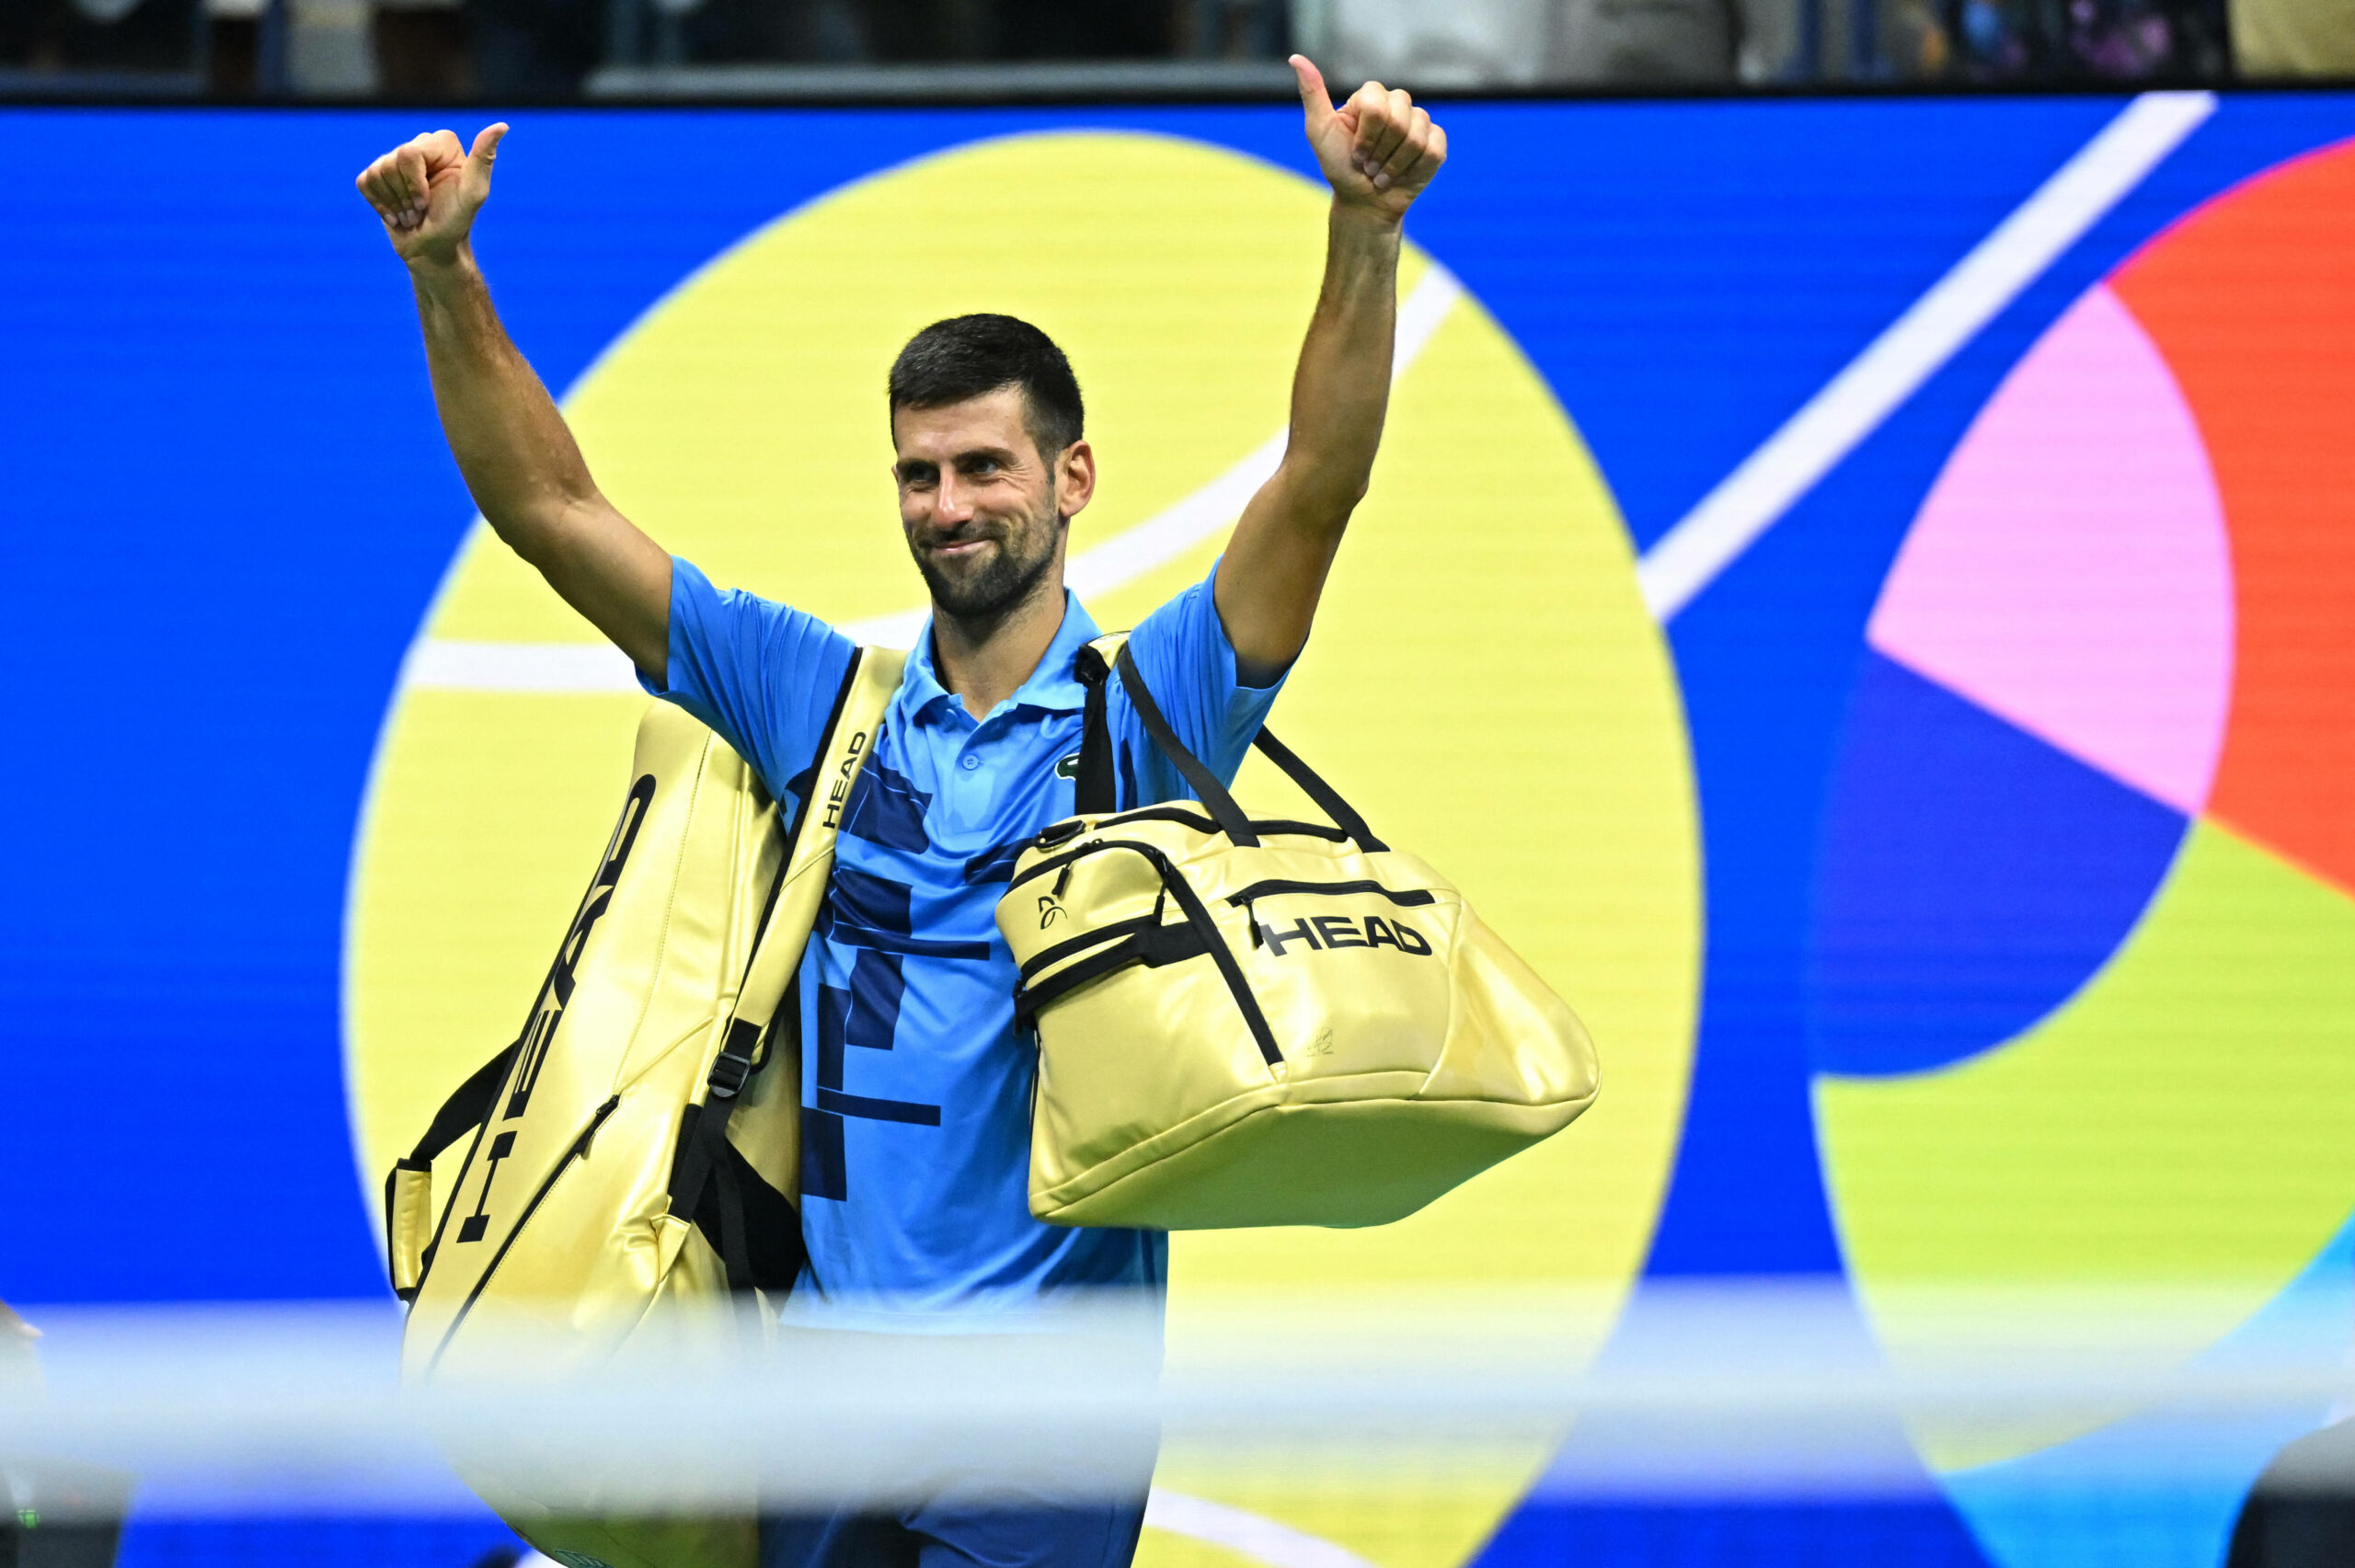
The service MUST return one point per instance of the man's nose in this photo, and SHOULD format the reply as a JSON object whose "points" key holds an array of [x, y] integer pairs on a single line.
{"points": [[951, 504]]}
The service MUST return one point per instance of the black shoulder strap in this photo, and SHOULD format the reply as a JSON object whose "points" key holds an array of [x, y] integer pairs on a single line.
{"points": [[1207, 789], [711, 1182], [1094, 793]]}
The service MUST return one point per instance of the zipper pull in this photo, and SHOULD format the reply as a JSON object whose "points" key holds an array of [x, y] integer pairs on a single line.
{"points": [[1251, 917], [1063, 877]]}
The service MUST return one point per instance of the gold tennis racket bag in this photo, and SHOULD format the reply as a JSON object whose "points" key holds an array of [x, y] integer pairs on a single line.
{"points": [[1263, 1023], [629, 1182]]}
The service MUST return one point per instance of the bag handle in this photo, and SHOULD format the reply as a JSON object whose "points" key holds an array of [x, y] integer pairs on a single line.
{"points": [[1094, 793], [1207, 789], [409, 1185], [1328, 799]]}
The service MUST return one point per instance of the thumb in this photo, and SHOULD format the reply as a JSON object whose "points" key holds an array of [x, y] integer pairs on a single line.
{"points": [[1315, 101], [478, 161]]}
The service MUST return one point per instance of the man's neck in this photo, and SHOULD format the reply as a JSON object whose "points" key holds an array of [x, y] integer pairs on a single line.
{"points": [[986, 661]]}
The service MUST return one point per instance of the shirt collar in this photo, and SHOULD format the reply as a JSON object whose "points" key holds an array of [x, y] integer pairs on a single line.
{"points": [[1053, 687]]}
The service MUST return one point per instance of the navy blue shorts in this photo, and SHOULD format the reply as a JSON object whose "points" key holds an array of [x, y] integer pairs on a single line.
{"points": [[943, 1534], [1078, 1500]]}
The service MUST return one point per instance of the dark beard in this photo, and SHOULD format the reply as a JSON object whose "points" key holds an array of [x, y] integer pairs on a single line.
{"points": [[1007, 580]]}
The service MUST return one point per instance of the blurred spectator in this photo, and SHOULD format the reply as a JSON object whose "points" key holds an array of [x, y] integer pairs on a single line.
{"points": [[1438, 43], [2109, 40], [1476, 44], [533, 49], [1534, 43], [2294, 38], [59, 1514], [421, 47], [328, 52], [828, 32], [1223, 29], [1645, 42], [842, 31], [115, 37]]}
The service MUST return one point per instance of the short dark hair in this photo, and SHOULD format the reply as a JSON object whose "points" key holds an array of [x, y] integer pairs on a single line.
{"points": [[968, 356]]}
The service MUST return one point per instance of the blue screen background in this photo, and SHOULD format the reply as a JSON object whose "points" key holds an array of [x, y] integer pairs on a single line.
{"points": [[227, 508]]}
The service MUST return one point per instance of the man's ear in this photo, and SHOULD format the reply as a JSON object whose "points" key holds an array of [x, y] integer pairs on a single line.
{"points": [[1074, 479]]}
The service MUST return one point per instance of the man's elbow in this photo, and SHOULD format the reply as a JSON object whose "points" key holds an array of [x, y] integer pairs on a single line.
{"points": [[1321, 498], [1346, 491], [541, 528]]}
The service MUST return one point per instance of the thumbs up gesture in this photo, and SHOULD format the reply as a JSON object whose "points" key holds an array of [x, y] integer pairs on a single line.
{"points": [[1378, 150], [428, 191]]}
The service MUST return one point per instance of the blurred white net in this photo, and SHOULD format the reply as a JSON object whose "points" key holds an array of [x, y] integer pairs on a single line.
{"points": [[1737, 1389]]}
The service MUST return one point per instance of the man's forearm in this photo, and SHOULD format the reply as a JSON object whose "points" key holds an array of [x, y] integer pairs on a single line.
{"points": [[517, 456], [1342, 387], [1378, 153], [512, 445]]}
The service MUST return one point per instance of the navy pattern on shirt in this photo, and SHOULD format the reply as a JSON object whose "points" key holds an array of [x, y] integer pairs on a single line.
{"points": [[916, 1090]]}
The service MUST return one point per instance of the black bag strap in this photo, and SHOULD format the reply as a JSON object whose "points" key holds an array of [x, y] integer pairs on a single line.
{"points": [[751, 1226], [1328, 799], [1152, 946], [711, 1182], [1204, 784], [467, 1108], [1094, 793], [1095, 752]]}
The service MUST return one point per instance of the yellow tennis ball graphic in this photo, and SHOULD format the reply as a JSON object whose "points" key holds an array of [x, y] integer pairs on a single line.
{"points": [[1484, 681]]}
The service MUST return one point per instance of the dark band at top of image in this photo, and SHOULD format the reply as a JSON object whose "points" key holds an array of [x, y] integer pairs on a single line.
{"points": [[936, 50]]}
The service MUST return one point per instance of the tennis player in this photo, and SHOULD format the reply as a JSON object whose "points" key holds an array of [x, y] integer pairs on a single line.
{"points": [[916, 1092]]}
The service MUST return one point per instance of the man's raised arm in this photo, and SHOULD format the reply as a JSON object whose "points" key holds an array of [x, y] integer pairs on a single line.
{"points": [[1378, 151], [512, 445]]}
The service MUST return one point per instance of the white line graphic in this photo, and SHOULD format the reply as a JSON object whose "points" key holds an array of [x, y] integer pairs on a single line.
{"points": [[1751, 499], [434, 664], [1263, 1539], [437, 665]]}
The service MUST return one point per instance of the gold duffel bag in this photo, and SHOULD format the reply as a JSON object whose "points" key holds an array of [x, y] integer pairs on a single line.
{"points": [[1243, 1022], [628, 1180]]}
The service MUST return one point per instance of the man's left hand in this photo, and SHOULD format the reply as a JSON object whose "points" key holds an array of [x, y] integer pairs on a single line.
{"points": [[1378, 150]]}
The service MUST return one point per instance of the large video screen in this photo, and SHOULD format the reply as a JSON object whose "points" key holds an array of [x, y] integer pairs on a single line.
{"points": [[1860, 593]]}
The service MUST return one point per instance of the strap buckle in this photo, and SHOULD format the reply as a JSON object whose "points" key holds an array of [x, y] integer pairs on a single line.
{"points": [[729, 1073]]}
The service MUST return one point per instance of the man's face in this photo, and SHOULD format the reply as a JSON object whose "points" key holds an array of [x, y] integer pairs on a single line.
{"points": [[983, 511]]}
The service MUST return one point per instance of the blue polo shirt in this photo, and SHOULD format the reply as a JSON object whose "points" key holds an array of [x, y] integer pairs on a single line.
{"points": [[915, 1123]]}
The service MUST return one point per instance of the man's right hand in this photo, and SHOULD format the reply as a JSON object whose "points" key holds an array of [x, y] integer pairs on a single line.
{"points": [[428, 189]]}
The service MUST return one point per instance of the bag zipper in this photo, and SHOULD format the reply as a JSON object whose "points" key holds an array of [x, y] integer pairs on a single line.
{"points": [[1070, 828], [578, 1151], [1413, 898]]}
